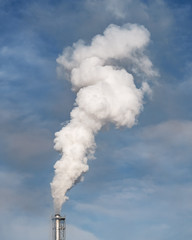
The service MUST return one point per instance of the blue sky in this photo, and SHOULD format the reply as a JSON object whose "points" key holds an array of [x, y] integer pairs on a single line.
{"points": [[140, 185]]}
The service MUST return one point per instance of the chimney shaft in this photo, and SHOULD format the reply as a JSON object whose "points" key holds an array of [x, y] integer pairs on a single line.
{"points": [[58, 227]]}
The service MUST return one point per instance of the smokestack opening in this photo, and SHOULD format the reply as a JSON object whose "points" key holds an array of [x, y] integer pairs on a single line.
{"points": [[59, 227]]}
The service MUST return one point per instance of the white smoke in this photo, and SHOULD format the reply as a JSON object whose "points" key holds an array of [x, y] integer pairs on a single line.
{"points": [[105, 93]]}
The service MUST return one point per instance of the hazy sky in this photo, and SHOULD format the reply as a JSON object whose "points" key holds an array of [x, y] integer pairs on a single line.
{"points": [[140, 185]]}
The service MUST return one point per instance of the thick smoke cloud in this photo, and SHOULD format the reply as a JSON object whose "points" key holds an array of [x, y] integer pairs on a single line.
{"points": [[106, 93]]}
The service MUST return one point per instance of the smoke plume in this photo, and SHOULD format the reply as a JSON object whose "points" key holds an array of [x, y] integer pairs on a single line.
{"points": [[106, 93]]}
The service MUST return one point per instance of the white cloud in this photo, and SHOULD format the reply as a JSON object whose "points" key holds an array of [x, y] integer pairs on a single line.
{"points": [[16, 196], [20, 227], [175, 131], [28, 143], [23, 209], [10, 184], [155, 201], [163, 144], [156, 205], [150, 13], [148, 209], [73, 232]]}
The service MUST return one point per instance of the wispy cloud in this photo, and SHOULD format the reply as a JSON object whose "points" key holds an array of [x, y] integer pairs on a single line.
{"points": [[152, 208], [75, 232], [17, 197], [139, 187]]}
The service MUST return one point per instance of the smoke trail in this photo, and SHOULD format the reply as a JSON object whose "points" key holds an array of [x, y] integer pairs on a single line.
{"points": [[105, 93]]}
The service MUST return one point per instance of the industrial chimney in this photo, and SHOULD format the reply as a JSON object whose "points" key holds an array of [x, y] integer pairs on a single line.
{"points": [[58, 227]]}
